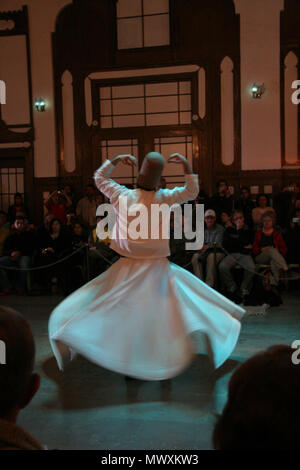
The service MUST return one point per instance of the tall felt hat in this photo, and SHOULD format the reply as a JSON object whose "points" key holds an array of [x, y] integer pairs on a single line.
{"points": [[151, 170]]}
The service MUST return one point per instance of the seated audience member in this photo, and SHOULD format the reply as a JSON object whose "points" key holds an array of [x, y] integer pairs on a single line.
{"points": [[71, 219], [178, 253], [209, 253], [87, 206], [56, 246], [17, 208], [292, 239], [4, 230], [43, 231], [57, 204], [222, 201], [245, 204], [237, 241], [101, 256], [269, 248], [17, 253], [18, 382], [263, 206], [79, 235], [263, 407], [226, 219], [75, 264]]}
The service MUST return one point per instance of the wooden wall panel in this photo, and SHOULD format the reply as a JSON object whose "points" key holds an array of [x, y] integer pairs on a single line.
{"points": [[202, 33]]}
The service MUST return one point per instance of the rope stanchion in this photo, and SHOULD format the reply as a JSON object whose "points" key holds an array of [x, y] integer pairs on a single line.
{"points": [[46, 266]]}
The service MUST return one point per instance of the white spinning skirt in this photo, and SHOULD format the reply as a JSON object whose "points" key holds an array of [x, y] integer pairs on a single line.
{"points": [[137, 317]]}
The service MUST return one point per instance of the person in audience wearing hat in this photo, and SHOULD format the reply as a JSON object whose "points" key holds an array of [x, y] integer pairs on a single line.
{"points": [[136, 318]]}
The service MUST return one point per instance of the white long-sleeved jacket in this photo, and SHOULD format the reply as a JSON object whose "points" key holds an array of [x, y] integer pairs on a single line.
{"points": [[122, 241]]}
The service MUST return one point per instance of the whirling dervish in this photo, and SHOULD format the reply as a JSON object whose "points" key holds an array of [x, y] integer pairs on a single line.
{"points": [[137, 317]]}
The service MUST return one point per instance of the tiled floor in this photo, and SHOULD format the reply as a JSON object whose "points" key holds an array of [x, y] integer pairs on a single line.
{"points": [[88, 407]]}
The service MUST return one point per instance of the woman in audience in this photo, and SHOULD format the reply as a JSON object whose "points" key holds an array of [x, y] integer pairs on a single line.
{"points": [[75, 264], [269, 248], [263, 206], [56, 245]]}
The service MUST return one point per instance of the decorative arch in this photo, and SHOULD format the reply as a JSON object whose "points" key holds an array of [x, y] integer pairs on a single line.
{"points": [[227, 112], [68, 151]]}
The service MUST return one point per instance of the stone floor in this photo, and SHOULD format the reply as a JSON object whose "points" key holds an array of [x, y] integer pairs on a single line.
{"points": [[88, 407]]}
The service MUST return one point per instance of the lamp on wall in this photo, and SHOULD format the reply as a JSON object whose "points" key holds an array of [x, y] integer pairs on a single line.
{"points": [[40, 105], [258, 90]]}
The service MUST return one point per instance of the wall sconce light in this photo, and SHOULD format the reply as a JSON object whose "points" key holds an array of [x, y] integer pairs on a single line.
{"points": [[40, 105], [258, 90]]}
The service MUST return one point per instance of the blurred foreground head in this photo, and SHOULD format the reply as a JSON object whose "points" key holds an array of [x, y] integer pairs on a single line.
{"points": [[263, 407], [18, 383]]}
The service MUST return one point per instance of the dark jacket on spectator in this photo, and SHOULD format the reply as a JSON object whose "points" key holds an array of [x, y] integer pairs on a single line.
{"points": [[24, 242], [61, 244], [277, 240], [235, 240]]}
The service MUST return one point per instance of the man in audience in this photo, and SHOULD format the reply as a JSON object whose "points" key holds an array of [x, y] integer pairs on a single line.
{"points": [[18, 382], [226, 219], [4, 230], [237, 241], [87, 206], [17, 253], [17, 207], [210, 254], [263, 407], [245, 204], [222, 201]]}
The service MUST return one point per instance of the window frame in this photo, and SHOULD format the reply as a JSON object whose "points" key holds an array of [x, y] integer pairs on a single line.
{"points": [[143, 47], [143, 80]]}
